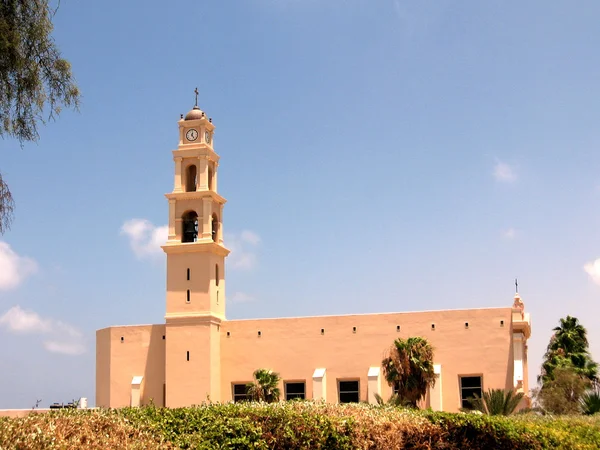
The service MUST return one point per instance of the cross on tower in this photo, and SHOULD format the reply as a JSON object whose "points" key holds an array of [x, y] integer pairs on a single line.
{"points": [[516, 285], [196, 92]]}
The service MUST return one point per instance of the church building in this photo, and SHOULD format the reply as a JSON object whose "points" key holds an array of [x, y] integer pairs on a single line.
{"points": [[197, 355]]}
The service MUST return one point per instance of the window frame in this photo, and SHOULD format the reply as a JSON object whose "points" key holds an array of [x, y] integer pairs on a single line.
{"points": [[340, 392], [463, 401], [294, 394]]}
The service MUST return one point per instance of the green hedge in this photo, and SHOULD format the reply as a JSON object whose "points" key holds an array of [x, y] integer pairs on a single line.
{"points": [[294, 425]]}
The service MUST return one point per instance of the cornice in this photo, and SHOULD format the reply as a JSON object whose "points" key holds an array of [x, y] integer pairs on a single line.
{"points": [[192, 195], [194, 318], [195, 150], [195, 247]]}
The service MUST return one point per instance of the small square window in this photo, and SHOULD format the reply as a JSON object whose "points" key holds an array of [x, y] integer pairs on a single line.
{"points": [[163, 337], [259, 334], [322, 330], [354, 329], [240, 393], [469, 387], [228, 334], [397, 327], [433, 326], [295, 391], [349, 391], [466, 324], [502, 323]]}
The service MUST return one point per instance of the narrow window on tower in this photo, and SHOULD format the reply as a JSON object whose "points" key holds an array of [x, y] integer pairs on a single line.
{"points": [[217, 274], [188, 296], [188, 274], [188, 355], [215, 228], [191, 178]]}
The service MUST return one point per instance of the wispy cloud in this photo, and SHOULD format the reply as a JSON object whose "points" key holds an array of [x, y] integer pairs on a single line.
{"points": [[13, 268], [240, 297], [244, 247], [593, 270], [509, 234], [504, 173], [62, 337], [145, 238]]}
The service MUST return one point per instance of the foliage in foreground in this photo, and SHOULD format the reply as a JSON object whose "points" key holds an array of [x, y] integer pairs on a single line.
{"points": [[293, 425], [498, 402]]}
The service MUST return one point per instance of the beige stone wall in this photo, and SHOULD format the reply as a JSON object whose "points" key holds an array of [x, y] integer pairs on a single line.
{"points": [[295, 347], [141, 352]]}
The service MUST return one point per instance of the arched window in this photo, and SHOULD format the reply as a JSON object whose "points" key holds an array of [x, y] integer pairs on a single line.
{"points": [[210, 179], [215, 228], [217, 274], [191, 178], [189, 224]]}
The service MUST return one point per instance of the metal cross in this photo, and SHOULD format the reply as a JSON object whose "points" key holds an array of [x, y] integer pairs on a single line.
{"points": [[196, 92], [516, 286]]}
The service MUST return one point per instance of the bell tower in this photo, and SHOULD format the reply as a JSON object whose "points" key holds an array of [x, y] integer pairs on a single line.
{"points": [[195, 304]]}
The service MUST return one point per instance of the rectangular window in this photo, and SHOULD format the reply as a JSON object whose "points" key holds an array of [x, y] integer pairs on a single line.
{"points": [[295, 390], [239, 392], [349, 391], [188, 274], [469, 387]]}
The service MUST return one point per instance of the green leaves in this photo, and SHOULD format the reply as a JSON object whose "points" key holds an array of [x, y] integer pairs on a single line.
{"points": [[498, 402], [265, 386], [409, 368]]}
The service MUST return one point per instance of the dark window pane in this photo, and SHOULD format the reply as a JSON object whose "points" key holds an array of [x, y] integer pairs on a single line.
{"points": [[294, 396], [346, 386], [294, 388], [470, 382], [239, 389], [348, 397]]}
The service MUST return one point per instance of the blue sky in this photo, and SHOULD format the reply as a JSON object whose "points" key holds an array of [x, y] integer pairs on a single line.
{"points": [[376, 156]]}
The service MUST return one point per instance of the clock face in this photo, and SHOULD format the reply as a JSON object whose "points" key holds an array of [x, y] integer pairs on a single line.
{"points": [[191, 134], [207, 137]]}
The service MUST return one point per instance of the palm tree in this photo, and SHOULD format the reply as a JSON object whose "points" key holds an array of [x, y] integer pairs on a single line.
{"points": [[590, 402], [497, 402], [265, 386], [568, 348], [408, 368]]}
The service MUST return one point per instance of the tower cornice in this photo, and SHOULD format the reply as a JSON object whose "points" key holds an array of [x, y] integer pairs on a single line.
{"points": [[195, 150], [194, 318], [192, 195], [200, 246]]}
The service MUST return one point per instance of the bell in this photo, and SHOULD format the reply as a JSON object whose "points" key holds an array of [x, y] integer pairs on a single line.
{"points": [[190, 231]]}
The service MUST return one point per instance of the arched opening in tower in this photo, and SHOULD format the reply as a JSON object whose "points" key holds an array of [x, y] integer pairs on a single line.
{"points": [[215, 227], [191, 178], [190, 227]]}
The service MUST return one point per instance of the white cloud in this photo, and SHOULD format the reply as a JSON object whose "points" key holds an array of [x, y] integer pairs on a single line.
{"points": [[18, 320], [240, 297], [63, 338], [504, 172], [593, 270], [243, 248], [13, 268], [145, 238], [67, 348], [509, 234]]}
